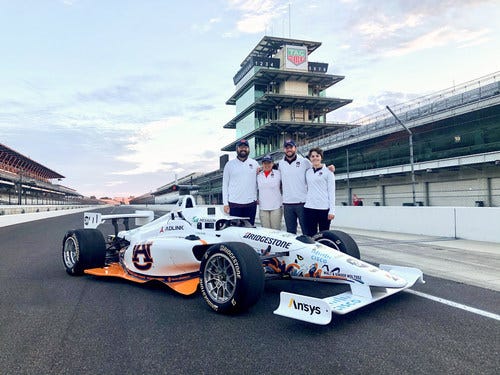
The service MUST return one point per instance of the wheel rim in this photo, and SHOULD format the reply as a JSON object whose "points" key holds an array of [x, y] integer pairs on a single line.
{"points": [[70, 252], [220, 278], [329, 243]]}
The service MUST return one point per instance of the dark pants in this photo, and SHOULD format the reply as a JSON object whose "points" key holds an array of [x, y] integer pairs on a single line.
{"points": [[292, 213], [244, 210], [314, 219]]}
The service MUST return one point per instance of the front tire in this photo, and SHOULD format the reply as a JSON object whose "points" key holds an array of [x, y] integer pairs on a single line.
{"points": [[338, 240], [231, 277], [83, 249]]}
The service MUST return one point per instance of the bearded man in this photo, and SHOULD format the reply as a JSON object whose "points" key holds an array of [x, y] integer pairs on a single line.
{"points": [[239, 184]]}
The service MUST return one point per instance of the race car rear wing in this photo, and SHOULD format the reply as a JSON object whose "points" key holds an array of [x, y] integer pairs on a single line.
{"points": [[320, 310], [92, 220]]}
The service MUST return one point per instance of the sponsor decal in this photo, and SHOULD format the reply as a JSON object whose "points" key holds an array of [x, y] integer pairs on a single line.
{"points": [[205, 220], [343, 302], [267, 240], [206, 298], [296, 56], [141, 256], [231, 256], [320, 256], [171, 227], [305, 307], [361, 264], [357, 263]]}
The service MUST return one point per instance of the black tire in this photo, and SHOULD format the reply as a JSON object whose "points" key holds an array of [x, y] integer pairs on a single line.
{"points": [[83, 249], [231, 277], [338, 240]]}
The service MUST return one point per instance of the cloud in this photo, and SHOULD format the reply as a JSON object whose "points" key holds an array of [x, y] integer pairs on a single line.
{"points": [[441, 37], [376, 30], [205, 27], [168, 146], [384, 28], [257, 15]]}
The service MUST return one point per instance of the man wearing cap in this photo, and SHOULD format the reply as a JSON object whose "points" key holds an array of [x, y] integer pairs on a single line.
{"points": [[293, 169], [239, 184], [270, 201]]}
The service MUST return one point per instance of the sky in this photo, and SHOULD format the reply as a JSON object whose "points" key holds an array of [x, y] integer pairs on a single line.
{"points": [[122, 96]]}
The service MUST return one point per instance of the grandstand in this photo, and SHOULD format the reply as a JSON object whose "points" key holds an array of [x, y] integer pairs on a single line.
{"points": [[455, 134], [23, 181]]}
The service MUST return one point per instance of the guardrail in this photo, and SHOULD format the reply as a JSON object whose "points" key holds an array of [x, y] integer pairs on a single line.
{"points": [[23, 209]]}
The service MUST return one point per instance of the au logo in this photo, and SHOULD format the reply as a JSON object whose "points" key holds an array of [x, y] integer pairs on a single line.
{"points": [[141, 256]]}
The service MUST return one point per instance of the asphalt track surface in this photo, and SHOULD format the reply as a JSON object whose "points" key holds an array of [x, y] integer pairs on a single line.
{"points": [[52, 323]]}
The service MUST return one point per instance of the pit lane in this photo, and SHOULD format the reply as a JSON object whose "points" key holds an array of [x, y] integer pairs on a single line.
{"points": [[53, 323]]}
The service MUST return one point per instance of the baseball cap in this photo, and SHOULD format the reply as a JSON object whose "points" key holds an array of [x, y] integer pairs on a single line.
{"points": [[267, 158], [289, 142], [242, 142]]}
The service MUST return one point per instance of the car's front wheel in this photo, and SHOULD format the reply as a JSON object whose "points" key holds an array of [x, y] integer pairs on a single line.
{"points": [[231, 277], [83, 249], [338, 240]]}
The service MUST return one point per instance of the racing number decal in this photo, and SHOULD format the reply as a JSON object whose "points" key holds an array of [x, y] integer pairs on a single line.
{"points": [[143, 250]]}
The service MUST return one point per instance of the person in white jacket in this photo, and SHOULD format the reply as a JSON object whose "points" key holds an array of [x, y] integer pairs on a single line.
{"points": [[239, 184], [293, 169], [319, 209], [269, 189]]}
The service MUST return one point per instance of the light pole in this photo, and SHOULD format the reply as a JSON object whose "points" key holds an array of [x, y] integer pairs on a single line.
{"points": [[20, 192], [349, 196], [411, 153]]}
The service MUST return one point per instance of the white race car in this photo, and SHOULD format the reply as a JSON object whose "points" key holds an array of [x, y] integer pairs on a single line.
{"points": [[229, 259]]}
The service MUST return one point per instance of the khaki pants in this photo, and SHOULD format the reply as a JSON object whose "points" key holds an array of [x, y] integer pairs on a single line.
{"points": [[271, 218]]}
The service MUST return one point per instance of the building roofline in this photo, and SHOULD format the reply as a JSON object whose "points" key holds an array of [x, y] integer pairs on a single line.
{"points": [[266, 75], [269, 45], [25, 163]]}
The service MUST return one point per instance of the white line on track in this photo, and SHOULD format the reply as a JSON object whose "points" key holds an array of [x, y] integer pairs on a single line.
{"points": [[455, 304]]}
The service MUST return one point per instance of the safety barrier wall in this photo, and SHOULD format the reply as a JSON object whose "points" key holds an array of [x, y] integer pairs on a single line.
{"points": [[23, 209], [471, 223], [14, 215]]}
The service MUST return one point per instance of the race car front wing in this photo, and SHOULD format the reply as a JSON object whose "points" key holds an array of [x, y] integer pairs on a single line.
{"points": [[320, 310]]}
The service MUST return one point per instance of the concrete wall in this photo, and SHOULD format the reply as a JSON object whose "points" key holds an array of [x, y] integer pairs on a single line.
{"points": [[11, 215], [22, 209], [471, 223]]}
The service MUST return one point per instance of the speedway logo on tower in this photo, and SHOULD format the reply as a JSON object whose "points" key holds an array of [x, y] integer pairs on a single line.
{"points": [[296, 57]]}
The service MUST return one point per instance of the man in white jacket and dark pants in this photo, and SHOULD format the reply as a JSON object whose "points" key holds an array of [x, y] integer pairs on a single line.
{"points": [[239, 184]]}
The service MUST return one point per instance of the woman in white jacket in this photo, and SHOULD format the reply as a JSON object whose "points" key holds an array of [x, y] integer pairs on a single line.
{"points": [[270, 198], [319, 209]]}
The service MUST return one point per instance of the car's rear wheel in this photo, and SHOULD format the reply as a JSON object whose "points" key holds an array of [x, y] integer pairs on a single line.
{"points": [[83, 249], [231, 277], [338, 240]]}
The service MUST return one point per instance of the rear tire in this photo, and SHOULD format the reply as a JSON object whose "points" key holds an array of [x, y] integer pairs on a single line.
{"points": [[338, 240], [231, 277], [83, 249]]}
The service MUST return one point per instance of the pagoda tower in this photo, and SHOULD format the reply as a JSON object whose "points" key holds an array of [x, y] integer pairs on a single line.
{"points": [[280, 95]]}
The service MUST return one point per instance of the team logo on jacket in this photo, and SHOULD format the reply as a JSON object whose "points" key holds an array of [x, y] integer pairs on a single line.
{"points": [[141, 256], [297, 164]]}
